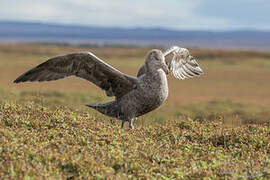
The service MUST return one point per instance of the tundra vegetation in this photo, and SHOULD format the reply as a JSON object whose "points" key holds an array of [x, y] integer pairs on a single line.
{"points": [[214, 126]]}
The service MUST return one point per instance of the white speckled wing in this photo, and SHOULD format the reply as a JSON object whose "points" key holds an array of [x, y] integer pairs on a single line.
{"points": [[182, 65]]}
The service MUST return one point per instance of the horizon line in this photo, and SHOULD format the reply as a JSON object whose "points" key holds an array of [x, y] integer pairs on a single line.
{"points": [[135, 27]]}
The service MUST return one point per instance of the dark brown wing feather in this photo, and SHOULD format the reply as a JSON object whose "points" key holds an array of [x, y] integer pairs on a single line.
{"points": [[84, 65]]}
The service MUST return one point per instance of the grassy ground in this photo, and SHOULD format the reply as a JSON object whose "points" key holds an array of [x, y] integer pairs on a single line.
{"points": [[215, 126], [59, 144]]}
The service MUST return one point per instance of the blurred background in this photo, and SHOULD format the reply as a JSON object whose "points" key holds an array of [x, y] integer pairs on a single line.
{"points": [[230, 40]]}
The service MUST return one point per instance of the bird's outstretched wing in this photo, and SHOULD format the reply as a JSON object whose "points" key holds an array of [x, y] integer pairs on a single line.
{"points": [[182, 65], [84, 65]]}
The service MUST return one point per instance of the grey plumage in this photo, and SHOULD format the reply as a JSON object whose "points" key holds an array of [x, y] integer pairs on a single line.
{"points": [[134, 96]]}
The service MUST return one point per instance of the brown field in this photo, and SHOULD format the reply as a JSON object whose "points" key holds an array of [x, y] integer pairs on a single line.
{"points": [[237, 77]]}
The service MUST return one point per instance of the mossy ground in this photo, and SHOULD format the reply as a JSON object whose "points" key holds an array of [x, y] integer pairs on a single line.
{"points": [[38, 143]]}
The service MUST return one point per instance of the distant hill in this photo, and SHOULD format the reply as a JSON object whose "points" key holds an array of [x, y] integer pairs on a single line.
{"points": [[71, 34]]}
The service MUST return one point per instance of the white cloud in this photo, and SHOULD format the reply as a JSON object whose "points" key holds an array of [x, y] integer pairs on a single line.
{"points": [[124, 13]]}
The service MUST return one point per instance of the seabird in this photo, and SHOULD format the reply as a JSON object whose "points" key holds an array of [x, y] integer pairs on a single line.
{"points": [[134, 96]]}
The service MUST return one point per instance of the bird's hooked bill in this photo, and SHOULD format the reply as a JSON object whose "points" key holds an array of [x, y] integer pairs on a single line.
{"points": [[166, 69]]}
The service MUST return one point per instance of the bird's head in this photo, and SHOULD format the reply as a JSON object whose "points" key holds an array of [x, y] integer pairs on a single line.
{"points": [[155, 60]]}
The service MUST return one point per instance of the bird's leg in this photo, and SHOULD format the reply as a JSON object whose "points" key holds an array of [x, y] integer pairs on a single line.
{"points": [[131, 123], [122, 125]]}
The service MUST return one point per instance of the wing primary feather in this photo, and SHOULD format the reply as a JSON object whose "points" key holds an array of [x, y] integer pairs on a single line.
{"points": [[180, 74], [187, 70], [196, 70], [184, 73], [175, 74], [84, 65]]}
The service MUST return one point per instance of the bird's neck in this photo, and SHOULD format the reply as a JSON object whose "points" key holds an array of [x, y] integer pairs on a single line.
{"points": [[156, 75], [153, 71]]}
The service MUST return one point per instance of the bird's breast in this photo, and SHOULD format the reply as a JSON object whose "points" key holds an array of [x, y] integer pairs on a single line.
{"points": [[155, 89], [151, 92]]}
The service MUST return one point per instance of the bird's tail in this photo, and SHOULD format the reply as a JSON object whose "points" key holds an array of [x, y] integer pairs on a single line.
{"points": [[94, 106], [99, 107], [109, 108]]}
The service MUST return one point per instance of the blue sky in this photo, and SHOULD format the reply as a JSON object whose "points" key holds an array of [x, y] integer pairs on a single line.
{"points": [[174, 14]]}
